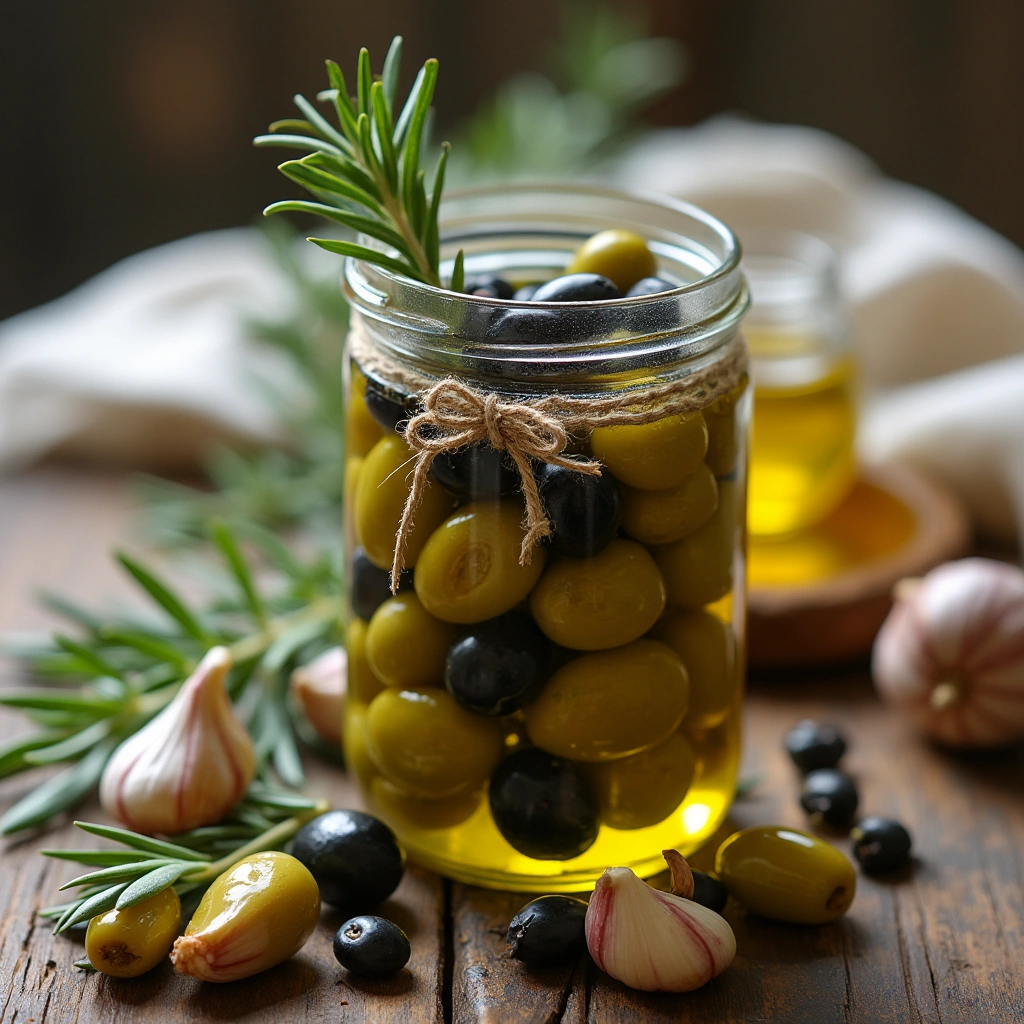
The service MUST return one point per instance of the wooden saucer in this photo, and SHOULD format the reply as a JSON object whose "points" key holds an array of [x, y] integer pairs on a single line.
{"points": [[820, 597]]}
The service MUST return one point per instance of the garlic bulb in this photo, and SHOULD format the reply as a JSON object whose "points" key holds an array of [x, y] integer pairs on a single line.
{"points": [[951, 653], [319, 687], [189, 766], [652, 940]]}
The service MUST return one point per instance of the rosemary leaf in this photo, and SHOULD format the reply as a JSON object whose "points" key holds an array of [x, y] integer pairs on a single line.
{"points": [[151, 883], [116, 873], [459, 272], [355, 221], [140, 842], [414, 139], [343, 167], [100, 858], [153, 646], [390, 72], [72, 746], [164, 597], [342, 102], [363, 83], [84, 964], [59, 700], [312, 177], [295, 142], [228, 546], [362, 252], [321, 126], [98, 904], [405, 118], [385, 145], [14, 755]]}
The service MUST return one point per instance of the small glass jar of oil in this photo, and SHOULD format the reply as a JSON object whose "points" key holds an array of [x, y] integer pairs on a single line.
{"points": [[802, 460]]}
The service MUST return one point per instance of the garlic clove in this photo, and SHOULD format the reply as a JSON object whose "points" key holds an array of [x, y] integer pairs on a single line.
{"points": [[319, 688], [188, 766], [652, 940]]}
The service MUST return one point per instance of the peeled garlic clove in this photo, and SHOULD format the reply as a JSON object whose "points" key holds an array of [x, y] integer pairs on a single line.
{"points": [[652, 940], [189, 766], [319, 687], [951, 653], [257, 914]]}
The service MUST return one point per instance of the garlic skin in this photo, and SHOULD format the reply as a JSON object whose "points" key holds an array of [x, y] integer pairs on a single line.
{"points": [[189, 766], [319, 688], [654, 941], [951, 653]]}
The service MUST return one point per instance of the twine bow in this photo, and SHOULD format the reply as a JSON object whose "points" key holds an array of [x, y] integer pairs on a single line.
{"points": [[456, 416]]}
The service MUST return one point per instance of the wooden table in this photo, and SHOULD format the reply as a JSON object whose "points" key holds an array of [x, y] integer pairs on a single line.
{"points": [[943, 942]]}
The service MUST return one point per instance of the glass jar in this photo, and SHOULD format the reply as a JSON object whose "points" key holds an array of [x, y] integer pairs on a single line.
{"points": [[524, 726], [802, 461]]}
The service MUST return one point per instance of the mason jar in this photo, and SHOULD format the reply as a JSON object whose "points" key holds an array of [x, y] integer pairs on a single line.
{"points": [[552, 685]]}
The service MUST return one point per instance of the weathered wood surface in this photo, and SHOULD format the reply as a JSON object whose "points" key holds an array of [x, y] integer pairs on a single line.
{"points": [[942, 943]]}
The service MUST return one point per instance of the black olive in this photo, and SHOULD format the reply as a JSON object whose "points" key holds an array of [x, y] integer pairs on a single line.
{"points": [[880, 844], [487, 286], [649, 286], [527, 326], [479, 472], [355, 859], [387, 406], [576, 288], [371, 946], [543, 805], [526, 293], [812, 745], [709, 892], [583, 509], [831, 796], [499, 666], [369, 587], [550, 930]]}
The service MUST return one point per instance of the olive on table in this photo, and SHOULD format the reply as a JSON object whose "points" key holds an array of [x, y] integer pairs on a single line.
{"points": [[380, 499], [786, 874], [548, 930], [660, 517], [576, 288], [645, 788], [543, 806], [880, 844], [406, 645], [707, 648], [812, 745], [363, 683], [653, 456], [583, 510], [607, 600], [420, 740], [362, 431], [723, 439], [353, 743], [487, 286], [476, 473], [611, 704], [421, 813], [469, 569], [829, 796], [698, 568], [650, 286], [354, 857], [387, 406], [371, 947], [709, 892], [127, 943], [499, 666], [619, 255], [368, 586]]}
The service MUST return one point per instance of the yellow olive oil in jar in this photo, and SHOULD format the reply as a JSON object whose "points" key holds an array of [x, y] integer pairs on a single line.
{"points": [[802, 461], [524, 722]]}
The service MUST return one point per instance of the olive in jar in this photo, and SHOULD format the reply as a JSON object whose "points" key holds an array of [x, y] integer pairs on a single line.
{"points": [[653, 456], [609, 599], [583, 510], [405, 644], [723, 440], [357, 757], [611, 704], [420, 740], [469, 569], [362, 431], [420, 813], [380, 499], [476, 473], [621, 256], [363, 683], [660, 517]]}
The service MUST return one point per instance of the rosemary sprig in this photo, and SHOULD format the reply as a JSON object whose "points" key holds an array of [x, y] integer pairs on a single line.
{"points": [[367, 173], [147, 866]]}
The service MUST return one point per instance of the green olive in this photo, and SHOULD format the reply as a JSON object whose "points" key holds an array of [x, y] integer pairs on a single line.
{"points": [[698, 568], [660, 517], [642, 790], [414, 812], [363, 684], [654, 456], [621, 256], [609, 599], [612, 704], [127, 943], [362, 431], [353, 743], [469, 568], [723, 442], [708, 649], [380, 498], [425, 744], [406, 645], [787, 875]]}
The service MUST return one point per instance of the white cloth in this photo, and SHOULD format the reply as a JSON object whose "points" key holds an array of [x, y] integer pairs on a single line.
{"points": [[148, 361]]}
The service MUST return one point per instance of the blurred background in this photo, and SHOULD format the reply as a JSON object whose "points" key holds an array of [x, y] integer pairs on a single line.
{"points": [[127, 125]]}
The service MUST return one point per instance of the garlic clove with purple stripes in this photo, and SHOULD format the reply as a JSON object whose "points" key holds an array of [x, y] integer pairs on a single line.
{"points": [[188, 766], [654, 941]]}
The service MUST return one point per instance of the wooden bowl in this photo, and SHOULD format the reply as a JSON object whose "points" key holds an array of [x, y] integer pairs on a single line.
{"points": [[819, 598]]}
